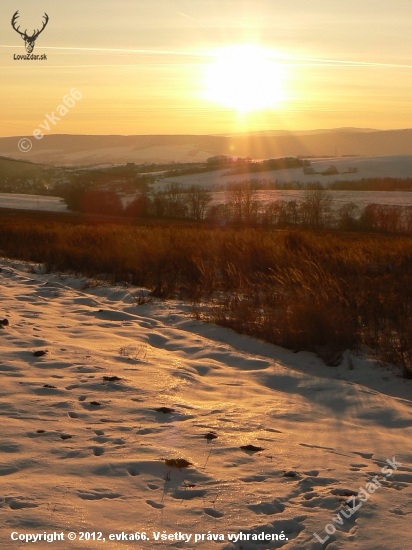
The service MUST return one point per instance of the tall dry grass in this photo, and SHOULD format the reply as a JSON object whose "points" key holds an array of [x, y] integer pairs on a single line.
{"points": [[323, 292]]}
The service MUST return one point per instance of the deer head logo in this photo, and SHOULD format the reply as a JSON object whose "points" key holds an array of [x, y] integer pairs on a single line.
{"points": [[29, 41]]}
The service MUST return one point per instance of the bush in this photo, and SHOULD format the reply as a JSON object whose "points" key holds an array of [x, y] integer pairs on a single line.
{"points": [[97, 201]]}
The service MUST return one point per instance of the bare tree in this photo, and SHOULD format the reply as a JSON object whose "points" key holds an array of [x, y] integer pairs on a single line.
{"points": [[389, 218], [175, 199], [382, 217], [241, 197], [316, 208], [347, 215], [198, 199], [407, 219]]}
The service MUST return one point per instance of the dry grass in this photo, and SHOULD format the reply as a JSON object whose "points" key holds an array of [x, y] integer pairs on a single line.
{"points": [[323, 291]]}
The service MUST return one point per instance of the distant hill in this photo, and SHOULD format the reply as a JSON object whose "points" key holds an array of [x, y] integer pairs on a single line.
{"points": [[12, 167], [83, 150], [300, 133]]}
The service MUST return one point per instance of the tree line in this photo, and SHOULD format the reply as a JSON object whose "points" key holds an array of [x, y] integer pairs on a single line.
{"points": [[241, 207]]}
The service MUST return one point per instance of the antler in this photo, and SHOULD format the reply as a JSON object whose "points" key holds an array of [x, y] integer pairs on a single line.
{"points": [[13, 23], [46, 20]]}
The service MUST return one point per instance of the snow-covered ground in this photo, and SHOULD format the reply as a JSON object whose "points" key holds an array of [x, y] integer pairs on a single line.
{"points": [[361, 198], [339, 198], [368, 167], [32, 202], [84, 452]]}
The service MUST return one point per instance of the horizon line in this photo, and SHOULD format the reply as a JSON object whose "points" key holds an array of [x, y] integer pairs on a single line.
{"points": [[228, 134]]}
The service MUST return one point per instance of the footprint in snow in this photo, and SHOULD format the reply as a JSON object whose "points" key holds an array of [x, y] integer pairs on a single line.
{"points": [[98, 451], [97, 494], [213, 513], [7, 447], [398, 512], [8, 470], [187, 494], [363, 455], [154, 504], [40, 352], [292, 474], [111, 379], [267, 508], [344, 492], [251, 448], [91, 405], [165, 410], [18, 503], [145, 431], [253, 478]]}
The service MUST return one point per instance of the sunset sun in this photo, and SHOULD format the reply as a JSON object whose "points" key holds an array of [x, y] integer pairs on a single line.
{"points": [[245, 78]]}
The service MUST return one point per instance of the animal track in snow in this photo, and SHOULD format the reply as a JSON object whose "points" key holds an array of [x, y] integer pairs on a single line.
{"points": [[213, 513], [154, 504], [267, 508], [97, 494], [98, 451], [18, 503]]}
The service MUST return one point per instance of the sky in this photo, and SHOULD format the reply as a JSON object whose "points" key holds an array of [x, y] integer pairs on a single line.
{"points": [[215, 67]]}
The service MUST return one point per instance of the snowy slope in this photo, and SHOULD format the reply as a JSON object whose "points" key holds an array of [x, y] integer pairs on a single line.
{"points": [[396, 166], [80, 453], [32, 202]]}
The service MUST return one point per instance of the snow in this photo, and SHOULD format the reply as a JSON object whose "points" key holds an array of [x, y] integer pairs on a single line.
{"points": [[83, 453], [368, 167], [399, 166], [32, 202], [361, 198], [339, 198]]}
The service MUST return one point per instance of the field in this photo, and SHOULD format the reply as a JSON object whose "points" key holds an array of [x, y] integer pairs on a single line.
{"points": [[32, 202], [263, 198], [366, 167], [339, 198]]}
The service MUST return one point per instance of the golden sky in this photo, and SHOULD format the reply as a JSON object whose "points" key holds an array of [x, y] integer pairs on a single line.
{"points": [[197, 67]]}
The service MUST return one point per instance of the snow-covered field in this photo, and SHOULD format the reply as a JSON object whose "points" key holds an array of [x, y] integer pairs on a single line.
{"points": [[82, 451], [368, 167], [32, 202], [360, 198]]}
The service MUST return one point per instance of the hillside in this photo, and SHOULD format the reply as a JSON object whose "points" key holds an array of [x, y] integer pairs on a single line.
{"points": [[17, 168], [102, 149]]}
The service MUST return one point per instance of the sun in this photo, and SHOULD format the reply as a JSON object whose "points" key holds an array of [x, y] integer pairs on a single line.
{"points": [[246, 78]]}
